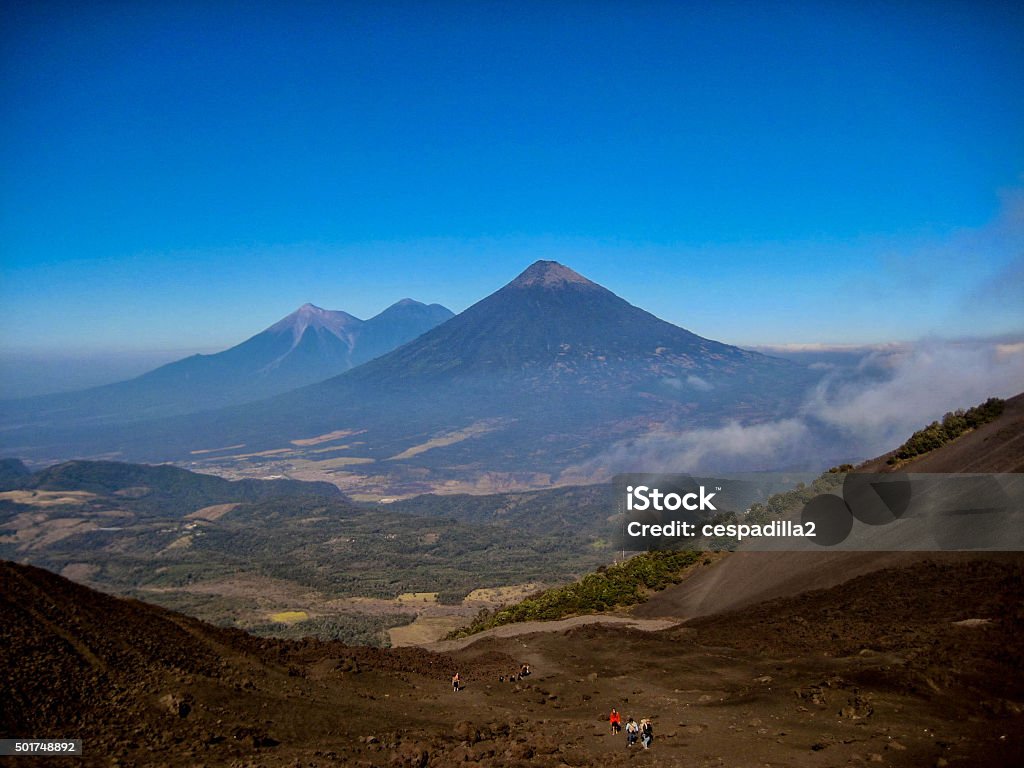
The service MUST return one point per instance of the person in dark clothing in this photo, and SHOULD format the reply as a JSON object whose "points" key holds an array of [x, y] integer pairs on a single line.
{"points": [[646, 733]]}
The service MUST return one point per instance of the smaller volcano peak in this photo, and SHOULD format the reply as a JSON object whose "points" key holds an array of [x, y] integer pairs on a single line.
{"points": [[312, 316]]}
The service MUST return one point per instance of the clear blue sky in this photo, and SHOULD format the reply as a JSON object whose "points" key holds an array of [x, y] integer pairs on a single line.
{"points": [[180, 175]]}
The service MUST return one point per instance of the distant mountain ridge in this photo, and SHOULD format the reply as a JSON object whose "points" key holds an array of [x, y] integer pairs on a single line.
{"points": [[545, 373], [309, 345], [163, 483]]}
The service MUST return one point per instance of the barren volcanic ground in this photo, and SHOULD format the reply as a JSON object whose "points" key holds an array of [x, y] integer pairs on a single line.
{"points": [[918, 666]]}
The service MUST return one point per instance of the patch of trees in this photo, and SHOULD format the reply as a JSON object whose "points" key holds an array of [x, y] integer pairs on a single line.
{"points": [[349, 628], [953, 424], [619, 585]]}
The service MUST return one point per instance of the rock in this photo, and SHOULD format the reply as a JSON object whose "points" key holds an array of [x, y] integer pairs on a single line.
{"points": [[348, 664], [411, 755], [462, 754], [521, 751], [177, 705], [545, 745], [466, 731], [857, 708], [812, 693]]}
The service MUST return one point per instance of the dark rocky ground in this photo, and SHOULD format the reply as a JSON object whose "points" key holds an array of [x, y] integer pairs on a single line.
{"points": [[916, 666]]}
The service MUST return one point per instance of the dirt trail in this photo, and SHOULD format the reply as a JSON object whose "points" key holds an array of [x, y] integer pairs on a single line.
{"points": [[531, 627]]}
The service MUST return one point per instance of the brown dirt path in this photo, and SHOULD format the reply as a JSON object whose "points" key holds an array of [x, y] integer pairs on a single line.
{"points": [[560, 625]]}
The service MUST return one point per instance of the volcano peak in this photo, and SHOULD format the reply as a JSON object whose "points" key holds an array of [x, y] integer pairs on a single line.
{"points": [[549, 274]]}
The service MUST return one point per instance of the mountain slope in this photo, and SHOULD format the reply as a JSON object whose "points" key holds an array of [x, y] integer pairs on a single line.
{"points": [[918, 667], [145, 684], [994, 447], [309, 345], [745, 578]]}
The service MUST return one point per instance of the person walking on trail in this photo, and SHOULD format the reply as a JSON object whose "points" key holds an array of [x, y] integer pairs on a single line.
{"points": [[456, 682], [632, 731], [646, 733], [615, 720]]}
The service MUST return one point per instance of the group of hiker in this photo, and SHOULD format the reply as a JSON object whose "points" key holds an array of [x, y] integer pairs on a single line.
{"points": [[642, 731], [519, 674]]}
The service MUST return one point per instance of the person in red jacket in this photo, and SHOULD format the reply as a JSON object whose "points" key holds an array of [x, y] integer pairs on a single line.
{"points": [[615, 719]]}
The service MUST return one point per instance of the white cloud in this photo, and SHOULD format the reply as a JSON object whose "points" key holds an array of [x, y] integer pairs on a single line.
{"points": [[922, 384], [728, 447], [858, 412]]}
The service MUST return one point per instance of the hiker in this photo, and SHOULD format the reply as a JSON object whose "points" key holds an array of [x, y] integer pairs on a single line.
{"points": [[524, 671], [456, 683], [615, 719], [646, 733], [632, 731]]}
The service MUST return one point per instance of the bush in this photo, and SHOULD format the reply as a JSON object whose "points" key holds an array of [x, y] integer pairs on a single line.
{"points": [[626, 583], [953, 424]]}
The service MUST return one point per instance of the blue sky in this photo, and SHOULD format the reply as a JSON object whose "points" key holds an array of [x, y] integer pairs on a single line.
{"points": [[177, 176]]}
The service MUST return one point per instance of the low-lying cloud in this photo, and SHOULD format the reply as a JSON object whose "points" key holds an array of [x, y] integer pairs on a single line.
{"points": [[855, 412], [729, 447], [924, 382]]}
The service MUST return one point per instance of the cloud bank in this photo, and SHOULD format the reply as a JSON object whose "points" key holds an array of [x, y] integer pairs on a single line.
{"points": [[855, 412]]}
